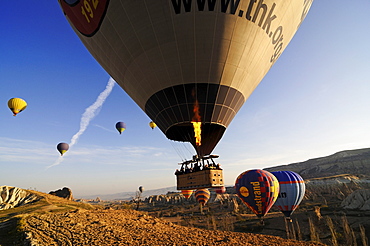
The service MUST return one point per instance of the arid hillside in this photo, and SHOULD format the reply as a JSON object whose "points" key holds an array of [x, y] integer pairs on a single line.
{"points": [[355, 162], [56, 221]]}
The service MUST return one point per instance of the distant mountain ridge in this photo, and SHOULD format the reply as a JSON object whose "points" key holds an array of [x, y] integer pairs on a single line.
{"points": [[130, 195], [354, 162]]}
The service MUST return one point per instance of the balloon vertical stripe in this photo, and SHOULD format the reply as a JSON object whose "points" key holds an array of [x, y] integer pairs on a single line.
{"points": [[292, 190]]}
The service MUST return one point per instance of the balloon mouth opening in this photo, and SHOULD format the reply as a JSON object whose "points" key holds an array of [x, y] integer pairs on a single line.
{"points": [[211, 134]]}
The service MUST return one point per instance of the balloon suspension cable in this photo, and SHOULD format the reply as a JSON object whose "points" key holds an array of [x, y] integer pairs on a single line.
{"points": [[180, 149]]}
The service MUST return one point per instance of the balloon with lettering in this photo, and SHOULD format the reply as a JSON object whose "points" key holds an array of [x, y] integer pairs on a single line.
{"points": [[292, 190], [258, 189], [202, 196], [62, 148], [189, 65], [17, 105], [187, 193], [120, 126]]}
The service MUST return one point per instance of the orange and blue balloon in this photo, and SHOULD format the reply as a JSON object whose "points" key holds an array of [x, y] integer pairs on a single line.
{"points": [[292, 190], [120, 126], [202, 196], [258, 189]]}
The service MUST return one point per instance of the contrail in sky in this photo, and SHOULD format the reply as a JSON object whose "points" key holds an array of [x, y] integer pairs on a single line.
{"points": [[88, 115]]}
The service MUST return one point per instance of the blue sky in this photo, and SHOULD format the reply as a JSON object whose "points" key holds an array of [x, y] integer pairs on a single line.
{"points": [[313, 102]]}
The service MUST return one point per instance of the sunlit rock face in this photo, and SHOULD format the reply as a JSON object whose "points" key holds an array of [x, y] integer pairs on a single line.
{"points": [[11, 197]]}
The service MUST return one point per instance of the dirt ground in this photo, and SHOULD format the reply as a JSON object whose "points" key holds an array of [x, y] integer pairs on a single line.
{"points": [[130, 227]]}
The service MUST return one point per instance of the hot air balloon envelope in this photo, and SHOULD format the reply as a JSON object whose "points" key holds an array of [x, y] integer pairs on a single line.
{"points": [[187, 61], [258, 189], [187, 193], [152, 125], [221, 190], [17, 105], [141, 189], [292, 190], [62, 148], [120, 126], [202, 196]]}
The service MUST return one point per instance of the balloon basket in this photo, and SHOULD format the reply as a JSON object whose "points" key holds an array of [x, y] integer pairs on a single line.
{"points": [[199, 173]]}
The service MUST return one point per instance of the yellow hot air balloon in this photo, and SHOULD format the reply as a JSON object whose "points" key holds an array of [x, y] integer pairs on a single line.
{"points": [[152, 125], [186, 62], [17, 105]]}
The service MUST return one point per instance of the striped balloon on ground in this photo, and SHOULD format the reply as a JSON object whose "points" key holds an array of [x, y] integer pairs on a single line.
{"points": [[187, 193], [292, 190], [202, 196], [258, 189]]}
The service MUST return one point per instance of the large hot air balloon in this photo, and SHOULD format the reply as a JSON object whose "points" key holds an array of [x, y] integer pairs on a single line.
{"points": [[187, 193], [202, 196], [190, 65], [258, 189], [292, 189], [62, 148], [17, 105], [120, 126]]}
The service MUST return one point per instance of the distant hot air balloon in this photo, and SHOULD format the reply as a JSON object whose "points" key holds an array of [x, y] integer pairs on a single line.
{"points": [[202, 196], [292, 190], [141, 189], [190, 65], [220, 190], [17, 105], [152, 125], [120, 126], [258, 189], [62, 148], [187, 193]]}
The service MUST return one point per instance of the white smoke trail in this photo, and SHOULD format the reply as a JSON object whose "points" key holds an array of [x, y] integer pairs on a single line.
{"points": [[87, 116]]}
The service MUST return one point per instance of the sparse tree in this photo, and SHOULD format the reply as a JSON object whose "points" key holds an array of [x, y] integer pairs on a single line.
{"points": [[330, 224]]}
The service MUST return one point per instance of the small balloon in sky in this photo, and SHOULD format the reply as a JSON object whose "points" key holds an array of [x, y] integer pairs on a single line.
{"points": [[62, 148], [17, 105], [120, 126], [152, 125]]}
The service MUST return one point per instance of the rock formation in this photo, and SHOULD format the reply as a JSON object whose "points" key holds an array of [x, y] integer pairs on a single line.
{"points": [[11, 197], [63, 193], [359, 200]]}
